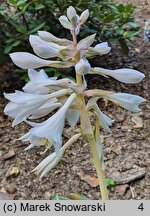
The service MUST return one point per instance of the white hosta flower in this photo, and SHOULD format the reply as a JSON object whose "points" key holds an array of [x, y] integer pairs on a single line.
{"points": [[86, 42], [123, 75], [83, 17], [26, 60], [72, 14], [47, 36], [52, 127], [48, 163], [72, 117], [43, 48], [36, 141], [52, 160], [82, 67], [29, 61], [38, 82], [46, 108], [41, 83], [65, 22], [23, 104], [104, 120], [75, 21], [99, 49], [128, 101]]}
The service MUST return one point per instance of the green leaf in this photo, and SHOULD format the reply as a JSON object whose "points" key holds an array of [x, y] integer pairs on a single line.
{"points": [[13, 2], [9, 47], [120, 8], [59, 198], [36, 28], [108, 18], [119, 31], [129, 8], [25, 77], [124, 46], [71, 196], [132, 24], [130, 34], [20, 2], [21, 29], [39, 7], [74, 196], [110, 182]]}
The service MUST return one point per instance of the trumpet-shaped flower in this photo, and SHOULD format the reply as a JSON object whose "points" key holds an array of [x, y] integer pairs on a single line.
{"points": [[104, 120], [99, 49], [38, 82], [36, 141], [53, 159], [128, 101], [123, 75], [43, 48], [48, 163], [82, 67], [51, 129], [46, 36], [45, 109], [23, 104], [30, 61], [41, 83]]}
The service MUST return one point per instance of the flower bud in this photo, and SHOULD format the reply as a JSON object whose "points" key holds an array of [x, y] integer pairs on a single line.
{"points": [[84, 16], [82, 67], [65, 22]]}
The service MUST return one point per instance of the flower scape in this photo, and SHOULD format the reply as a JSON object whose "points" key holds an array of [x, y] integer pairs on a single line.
{"points": [[65, 97]]}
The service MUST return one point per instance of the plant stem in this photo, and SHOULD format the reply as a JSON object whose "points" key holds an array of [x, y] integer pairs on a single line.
{"points": [[98, 166], [87, 128], [88, 132]]}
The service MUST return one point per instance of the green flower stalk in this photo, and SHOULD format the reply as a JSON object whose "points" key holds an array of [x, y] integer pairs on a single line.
{"points": [[42, 95]]}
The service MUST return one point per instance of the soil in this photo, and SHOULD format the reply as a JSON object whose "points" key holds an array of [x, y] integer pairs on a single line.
{"points": [[126, 150]]}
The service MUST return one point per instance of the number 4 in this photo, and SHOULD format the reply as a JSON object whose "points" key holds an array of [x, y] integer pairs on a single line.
{"points": [[141, 207]]}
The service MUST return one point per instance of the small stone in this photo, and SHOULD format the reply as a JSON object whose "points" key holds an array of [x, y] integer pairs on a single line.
{"points": [[10, 188], [47, 195], [121, 189], [138, 122]]}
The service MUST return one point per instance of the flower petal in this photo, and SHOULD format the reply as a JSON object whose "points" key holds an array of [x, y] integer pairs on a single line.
{"points": [[128, 101], [71, 12], [26, 60], [42, 48], [123, 75], [99, 49], [84, 16], [82, 67], [37, 77], [86, 42], [72, 117], [51, 38], [65, 22], [52, 128]]}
